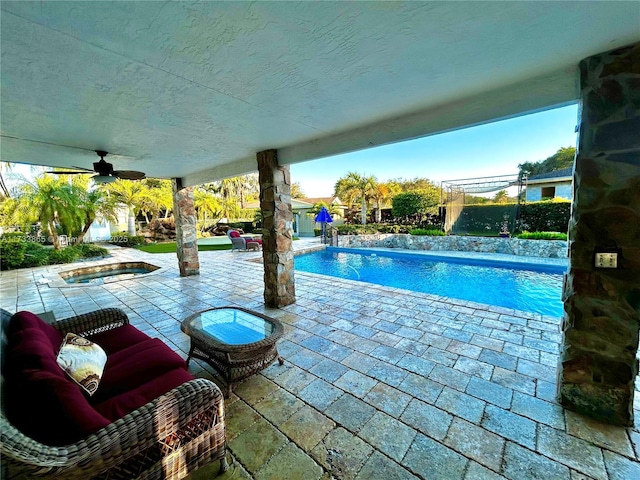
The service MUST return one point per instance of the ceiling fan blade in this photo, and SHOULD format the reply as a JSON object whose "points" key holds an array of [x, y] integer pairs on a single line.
{"points": [[85, 169], [88, 172], [128, 174]]}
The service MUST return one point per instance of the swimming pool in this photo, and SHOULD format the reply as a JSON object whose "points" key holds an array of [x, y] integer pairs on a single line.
{"points": [[531, 288]]}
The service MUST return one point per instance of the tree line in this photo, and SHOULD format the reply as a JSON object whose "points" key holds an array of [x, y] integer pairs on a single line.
{"points": [[68, 204]]}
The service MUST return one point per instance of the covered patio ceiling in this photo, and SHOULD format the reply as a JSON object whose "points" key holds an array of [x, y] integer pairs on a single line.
{"points": [[194, 90]]}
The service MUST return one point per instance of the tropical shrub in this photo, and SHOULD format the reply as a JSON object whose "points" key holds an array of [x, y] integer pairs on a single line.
{"points": [[63, 255], [431, 233], [35, 255], [357, 229], [384, 228], [542, 235], [89, 250], [12, 251]]}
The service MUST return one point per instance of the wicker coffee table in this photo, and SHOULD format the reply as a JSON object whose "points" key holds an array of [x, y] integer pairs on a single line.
{"points": [[236, 342]]}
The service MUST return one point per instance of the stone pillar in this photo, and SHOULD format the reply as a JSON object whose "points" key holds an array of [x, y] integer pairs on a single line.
{"points": [[600, 329], [277, 230], [186, 238]]}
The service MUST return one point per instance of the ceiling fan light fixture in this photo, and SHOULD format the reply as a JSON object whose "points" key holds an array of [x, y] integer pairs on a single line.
{"points": [[101, 179]]}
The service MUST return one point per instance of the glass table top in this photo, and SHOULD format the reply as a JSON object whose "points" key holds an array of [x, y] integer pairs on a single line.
{"points": [[232, 326]]}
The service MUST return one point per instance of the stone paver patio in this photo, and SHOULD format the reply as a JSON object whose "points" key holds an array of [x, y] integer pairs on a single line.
{"points": [[378, 383]]}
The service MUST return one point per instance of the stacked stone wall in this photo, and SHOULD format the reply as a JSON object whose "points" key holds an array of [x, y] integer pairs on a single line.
{"points": [[598, 363], [186, 238], [511, 246], [277, 230]]}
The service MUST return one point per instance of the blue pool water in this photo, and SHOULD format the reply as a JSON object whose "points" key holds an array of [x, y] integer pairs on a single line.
{"points": [[97, 278], [538, 288]]}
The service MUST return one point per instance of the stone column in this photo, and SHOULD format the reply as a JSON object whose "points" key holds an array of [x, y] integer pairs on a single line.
{"points": [[277, 225], [598, 363], [186, 238]]}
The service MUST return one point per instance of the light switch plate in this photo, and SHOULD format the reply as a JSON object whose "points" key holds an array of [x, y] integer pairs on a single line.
{"points": [[606, 260]]}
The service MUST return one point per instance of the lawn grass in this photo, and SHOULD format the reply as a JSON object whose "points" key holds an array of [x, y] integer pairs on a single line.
{"points": [[170, 247]]}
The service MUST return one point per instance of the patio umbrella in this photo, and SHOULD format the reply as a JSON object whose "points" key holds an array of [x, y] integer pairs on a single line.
{"points": [[323, 217]]}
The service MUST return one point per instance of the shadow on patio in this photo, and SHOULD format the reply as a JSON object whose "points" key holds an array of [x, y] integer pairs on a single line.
{"points": [[378, 383]]}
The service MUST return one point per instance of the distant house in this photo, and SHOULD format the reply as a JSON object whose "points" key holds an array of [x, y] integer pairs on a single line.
{"points": [[101, 230], [304, 219], [303, 224], [545, 186]]}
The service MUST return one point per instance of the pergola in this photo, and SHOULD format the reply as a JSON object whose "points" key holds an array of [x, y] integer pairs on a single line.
{"points": [[197, 92]]}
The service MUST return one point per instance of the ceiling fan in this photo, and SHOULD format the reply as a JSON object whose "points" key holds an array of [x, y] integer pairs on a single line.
{"points": [[105, 171]]}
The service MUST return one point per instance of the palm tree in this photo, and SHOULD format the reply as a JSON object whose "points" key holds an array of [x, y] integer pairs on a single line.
{"points": [[156, 196], [52, 201], [382, 194], [355, 188], [248, 186], [205, 204], [94, 202], [129, 193], [4, 167], [237, 188]]}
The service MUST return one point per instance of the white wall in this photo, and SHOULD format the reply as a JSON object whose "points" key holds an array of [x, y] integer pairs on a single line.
{"points": [[100, 230], [563, 190]]}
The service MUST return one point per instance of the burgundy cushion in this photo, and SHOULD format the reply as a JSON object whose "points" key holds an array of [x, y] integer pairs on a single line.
{"points": [[234, 234], [50, 409], [24, 319], [134, 366], [119, 338], [40, 399], [120, 405], [30, 348]]}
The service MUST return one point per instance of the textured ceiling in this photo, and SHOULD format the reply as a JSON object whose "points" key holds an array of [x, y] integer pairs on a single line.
{"points": [[194, 90]]}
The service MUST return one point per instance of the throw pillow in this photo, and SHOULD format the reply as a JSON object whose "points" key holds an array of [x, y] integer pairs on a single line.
{"points": [[83, 361]]}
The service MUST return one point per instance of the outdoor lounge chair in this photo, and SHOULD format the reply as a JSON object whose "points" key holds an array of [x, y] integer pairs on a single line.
{"points": [[167, 437], [239, 242]]}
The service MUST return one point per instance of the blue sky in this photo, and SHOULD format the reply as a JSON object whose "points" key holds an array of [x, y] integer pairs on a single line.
{"points": [[492, 149]]}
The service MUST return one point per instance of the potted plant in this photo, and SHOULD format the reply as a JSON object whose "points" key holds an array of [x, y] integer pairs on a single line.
{"points": [[504, 229]]}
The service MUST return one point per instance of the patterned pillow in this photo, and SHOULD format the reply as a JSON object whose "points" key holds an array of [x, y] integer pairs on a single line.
{"points": [[83, 361]]}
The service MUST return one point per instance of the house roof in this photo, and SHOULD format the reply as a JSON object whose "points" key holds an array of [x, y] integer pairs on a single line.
{"points": [[194, 89], [327, 200], [556, 175], [296, 203]]}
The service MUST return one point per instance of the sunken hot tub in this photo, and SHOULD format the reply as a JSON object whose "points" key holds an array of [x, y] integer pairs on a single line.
{"points": [[113, 272]]}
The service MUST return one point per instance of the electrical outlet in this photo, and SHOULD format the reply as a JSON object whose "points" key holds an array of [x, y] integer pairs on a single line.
{"points": [[606, 260]]}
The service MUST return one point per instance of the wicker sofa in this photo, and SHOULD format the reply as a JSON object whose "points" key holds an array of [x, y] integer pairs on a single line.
{"points": [[178, 430]]}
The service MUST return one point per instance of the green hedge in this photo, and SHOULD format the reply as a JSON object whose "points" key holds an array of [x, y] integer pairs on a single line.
{"points": [[542, 235], [414, 205], [534, 217], [430, 233], [373, 228], [546, 216], [485, 218]]}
